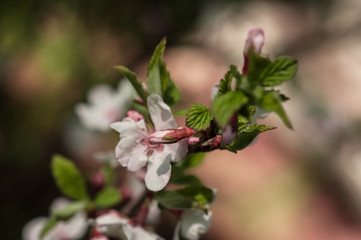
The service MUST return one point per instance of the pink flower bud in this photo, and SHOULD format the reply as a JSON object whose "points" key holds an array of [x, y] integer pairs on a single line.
{"points": [[98, 181], [170, 135], [193, 140], [255, 40], [141, 217], [134, 115]]}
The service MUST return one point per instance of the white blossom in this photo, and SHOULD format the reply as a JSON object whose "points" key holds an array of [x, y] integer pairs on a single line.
{"points": [[135, 151], [111, 224], [105, 106], [72, 229]]}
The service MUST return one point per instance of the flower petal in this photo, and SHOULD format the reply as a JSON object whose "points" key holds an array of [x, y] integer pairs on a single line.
{"points": [[158, 170], [130, 152], [194, 223], [160, 113], [178, 150]]}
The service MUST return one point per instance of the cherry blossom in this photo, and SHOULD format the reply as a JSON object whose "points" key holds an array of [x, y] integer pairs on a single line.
{"points": [[135, 150], [105, 106], [112, 224]]}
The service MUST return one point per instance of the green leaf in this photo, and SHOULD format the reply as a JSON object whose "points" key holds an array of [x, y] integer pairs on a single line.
{"points": [[198, 117], [200, 194], [247, 134], [226, 105], [141, 109], [185, 198], [256, 65], [68, 178], [191, 160], [69, 210], [171, 94], [173, 200], [107, 197], [157, 76], [134, 81], [185, 179], [272, 101], [47, 227], [109, 174], [182, 112], [225, 84], [281, 69]]}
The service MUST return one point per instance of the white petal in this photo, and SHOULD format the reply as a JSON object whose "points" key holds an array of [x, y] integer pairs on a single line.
{"points": [[160, 113], [178, 150], [194, 223], [177, 231], [138, 233], [99, 93], [76, 226], [59, 203], [110, 224], [158, 170], [31, 230], [130, 152]]}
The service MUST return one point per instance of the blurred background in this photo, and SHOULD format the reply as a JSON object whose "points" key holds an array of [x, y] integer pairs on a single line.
{"points": [[290, 185]]}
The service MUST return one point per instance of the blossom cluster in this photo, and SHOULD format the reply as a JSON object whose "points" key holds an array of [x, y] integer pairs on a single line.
{"points": [[157, 153]]}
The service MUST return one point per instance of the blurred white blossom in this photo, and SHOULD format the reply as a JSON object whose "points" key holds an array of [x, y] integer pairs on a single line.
{"points": [[105, 106]]}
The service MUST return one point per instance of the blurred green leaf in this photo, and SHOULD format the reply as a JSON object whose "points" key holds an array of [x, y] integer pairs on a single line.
{"points": [[226, 105], [272, 101], [198, 117], [69, 210], [191, 160], [202, 195], [247, 134], [185, 179], [225, 84], [108, 197], [134, 81], [109, 174], [256, 65], [68, 178], [173, 200], [281, 69], [47, 227], [182, 112], [185, 198]]}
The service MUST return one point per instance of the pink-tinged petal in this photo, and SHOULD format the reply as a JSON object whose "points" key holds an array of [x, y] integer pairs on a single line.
{"points": [[158, 170], [134, 115], [171, 135], [255, 40], [160, 113], [178, 150]]}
